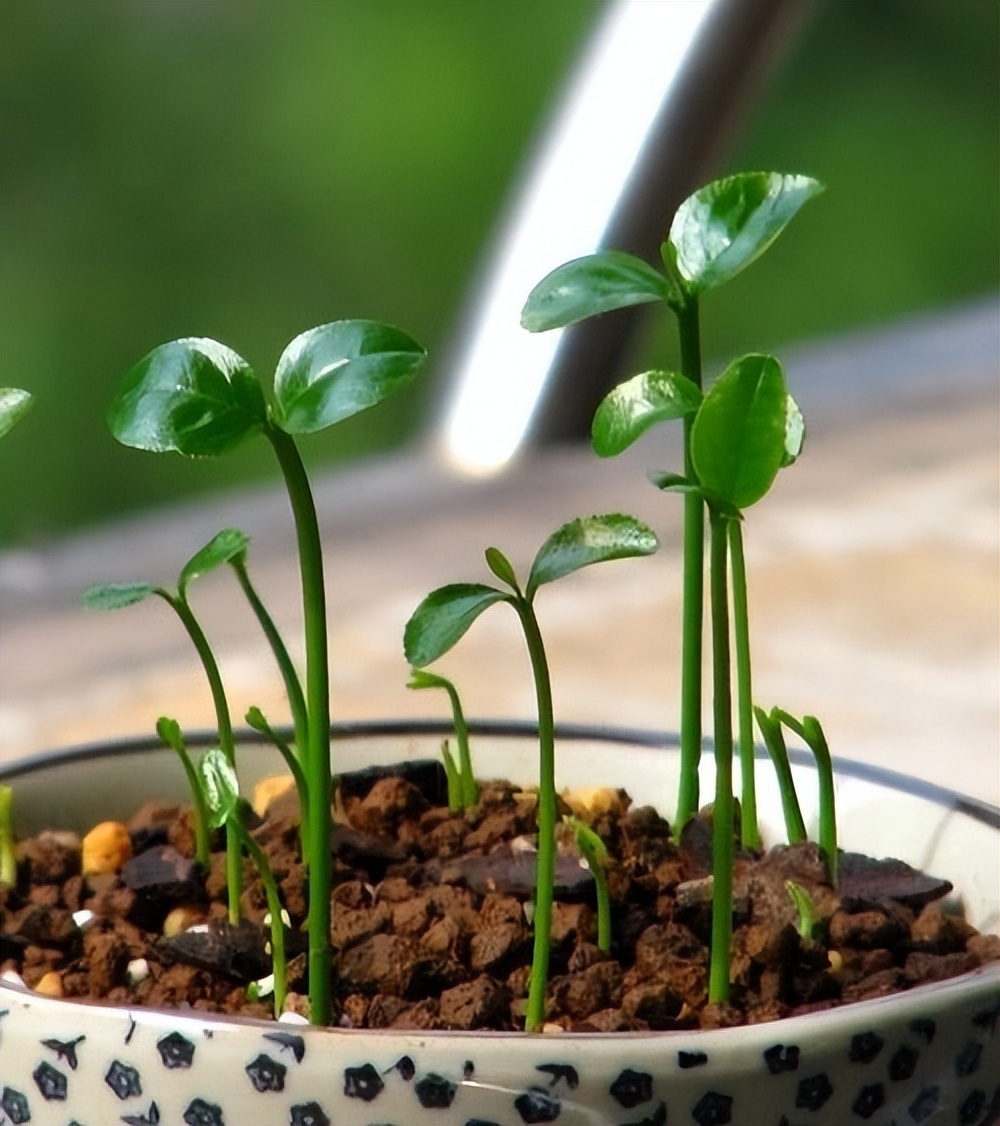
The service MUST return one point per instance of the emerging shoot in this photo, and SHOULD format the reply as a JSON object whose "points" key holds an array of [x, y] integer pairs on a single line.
{"points": [[468, 790], [595, 854]]}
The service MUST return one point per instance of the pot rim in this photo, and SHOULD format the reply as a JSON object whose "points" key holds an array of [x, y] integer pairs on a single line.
{"points": [[975, 808]]}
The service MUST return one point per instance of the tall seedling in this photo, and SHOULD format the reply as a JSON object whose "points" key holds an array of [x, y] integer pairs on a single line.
{"points": [[715, 234], [198, 398]]}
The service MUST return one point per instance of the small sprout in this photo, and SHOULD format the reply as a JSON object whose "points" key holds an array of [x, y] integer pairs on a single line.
{"points": [[811, 733], [802, 901], [184, 917], [50, 985], [453, 778], [258, 990], [770, 728], [105, 849], [8, 855], [595, 853], [169, 731], [468, 790]]}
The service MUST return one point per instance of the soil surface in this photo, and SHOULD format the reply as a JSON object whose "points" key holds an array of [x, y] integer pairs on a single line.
{"points": [[431, 918]]}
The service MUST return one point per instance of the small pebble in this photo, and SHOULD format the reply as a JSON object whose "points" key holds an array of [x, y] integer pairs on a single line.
{"points": [[105, 849], [50, 985]]}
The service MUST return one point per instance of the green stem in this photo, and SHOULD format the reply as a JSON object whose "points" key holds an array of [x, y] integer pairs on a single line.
{"points": [[234, 874], [317, 758], [749, 830], [770, 727], [467, 781], [8, 857], [545, 877], [202, 835], [811, 733], [693, 587], [257, 720], [722, 816], [278, 960], [455, 803]]}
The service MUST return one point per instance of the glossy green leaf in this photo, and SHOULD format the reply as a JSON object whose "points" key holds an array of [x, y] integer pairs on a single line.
{"points": [[631, 408], [726, 225], [14, 405], [795, 432], [116, 596], [220, 785], [194, 396], [738, 436], [672, 482], [502, 567], [443, 618], [336, 370], [587, 286], [420, 678], [222, 548], [592, 539]]}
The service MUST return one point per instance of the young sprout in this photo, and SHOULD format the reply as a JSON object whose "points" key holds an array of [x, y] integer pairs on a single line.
{"points": [[468, 790], [14, 405], [169, 731], [770, 728], [226, 807], [198, 398], [595, 854], [8, 855], [715, 234], [115, 596], [446, 614], [803, 904], [454, 779], [256, 719], [811, 733]]}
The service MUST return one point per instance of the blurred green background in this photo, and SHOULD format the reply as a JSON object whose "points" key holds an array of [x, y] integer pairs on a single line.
{"points": [[245, 169]]}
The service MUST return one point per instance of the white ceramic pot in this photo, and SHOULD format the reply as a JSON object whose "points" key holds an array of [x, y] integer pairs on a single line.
{"points": [[927, 1056]]}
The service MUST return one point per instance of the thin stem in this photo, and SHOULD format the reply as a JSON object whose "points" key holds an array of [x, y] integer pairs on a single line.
{"points": [[234, 873], [693, 587], [749, 830], [317, 758], [202, 835], [257, 720], [545, 878], [467, 781], [455, 803], [278, 960], [8, 857], [293, 686], [811, 733], [770, 727], [722, 816]]}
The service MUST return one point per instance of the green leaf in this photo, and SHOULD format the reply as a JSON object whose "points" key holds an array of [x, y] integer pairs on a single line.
{"points": [[672, 482], [593, 539], [222, 548], [336, 370], [502, 567], [116, 596], [587, 286], [194, 396], [443, 618], [632, 407], [220, 785], [726, 225], [738, 436], [169, 730], [795, 432], [419, 678], [14, 405]]}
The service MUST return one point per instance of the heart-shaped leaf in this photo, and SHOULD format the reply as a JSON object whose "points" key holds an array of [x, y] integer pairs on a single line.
{"points": [[631, 408], [592, 539], [443, 618], [738, 436], [220, 785], [224, 547], [726, 225], [14, 405], [336, 370], [116, 596], [587, 286], [195, 396], [502, 567]]}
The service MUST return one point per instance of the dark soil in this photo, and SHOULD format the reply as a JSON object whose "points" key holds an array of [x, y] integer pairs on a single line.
{"points": [[430, 929]]}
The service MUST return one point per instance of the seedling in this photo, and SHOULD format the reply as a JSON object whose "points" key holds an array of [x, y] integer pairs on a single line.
{"points": [[169, 731], [595, 854], [8, 855], [14, 405], [464, 779], [715, 234], [811, 733], [802, 902], [227, 808], [256, 719], [115, 596], [198, 398], [446, 614], [774, 739]]}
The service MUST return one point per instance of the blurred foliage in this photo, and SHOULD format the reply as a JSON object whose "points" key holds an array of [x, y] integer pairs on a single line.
{"points": [[245, 169]]}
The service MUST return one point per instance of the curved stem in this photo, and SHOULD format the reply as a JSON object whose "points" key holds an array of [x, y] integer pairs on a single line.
{"points": [[234, 873], [279, 962], [466, 779], [545, 877], [722, 816], [317, 757], [749, 830], [693, 587]]}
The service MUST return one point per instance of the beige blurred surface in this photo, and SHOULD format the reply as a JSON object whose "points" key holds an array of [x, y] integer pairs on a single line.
{"points": [[873, 569]]}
